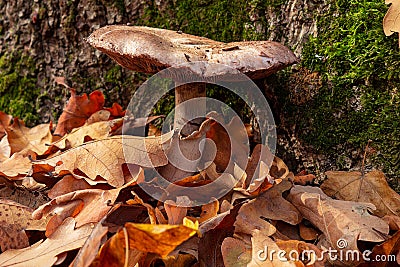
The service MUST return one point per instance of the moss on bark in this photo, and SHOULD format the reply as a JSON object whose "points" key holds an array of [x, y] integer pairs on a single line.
{"points": [[359, 98], [18, 89]]}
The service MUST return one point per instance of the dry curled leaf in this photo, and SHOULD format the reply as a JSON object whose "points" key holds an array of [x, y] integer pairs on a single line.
{"points": [[371, 188], [270, 205], [105, 157], [258, 169], [15, 167], [176, 211], [96, 131], [45, 253], [22, 195], [143, 238], [231, 143], [115, 253], [87, 206], [22, 139], [157, 238], [78, 110], [338, 219]]}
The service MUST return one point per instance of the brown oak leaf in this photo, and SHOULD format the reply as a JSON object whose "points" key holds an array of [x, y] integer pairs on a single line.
{"points": [[371, 188], [23, 139], [338, 219], [45, 253], [14, 220], [105, 157]]}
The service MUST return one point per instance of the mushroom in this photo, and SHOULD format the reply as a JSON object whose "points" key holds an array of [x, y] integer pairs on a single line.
{"points": [[150, 50]]}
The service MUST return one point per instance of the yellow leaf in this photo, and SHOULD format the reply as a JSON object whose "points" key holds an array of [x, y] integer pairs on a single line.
{"points": [[160, 238]]}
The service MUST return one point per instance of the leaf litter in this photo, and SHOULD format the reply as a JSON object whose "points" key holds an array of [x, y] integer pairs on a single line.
{"points": [[95, 213]]}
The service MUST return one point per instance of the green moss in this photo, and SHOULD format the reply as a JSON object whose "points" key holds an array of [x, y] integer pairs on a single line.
{"points": [[18, 86], [222, 20], [359, 99]]}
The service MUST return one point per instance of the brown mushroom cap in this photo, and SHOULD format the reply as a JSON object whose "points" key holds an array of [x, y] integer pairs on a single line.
{"points": [[150, 50]]}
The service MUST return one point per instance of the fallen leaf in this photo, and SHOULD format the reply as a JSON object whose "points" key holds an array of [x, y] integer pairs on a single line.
{"points": [[391, 21], [15, 213], [89, 250], [304, 179], [213, 234], [176, 211], [12, 237], [150, 210], [393, 221], [15, 219], [5, 149], [308, 233], [78, 110], [279, 170], [15, 167], [157, 238], [372, 188], [386, 254], [250, 218], [115, 253], [87, 206], [44, 253], [96, 131], [190, 246], [66, 185], [56, 218], [285, 231], [116, 111], [5, 121], [337, 219], [231, 143], [105, 157], [258, 169], [21, 138], [269, 205], [142, 238], [209, 211], [235, 252], [184, 153], [262, 247], [101, 115], [22, 195]]}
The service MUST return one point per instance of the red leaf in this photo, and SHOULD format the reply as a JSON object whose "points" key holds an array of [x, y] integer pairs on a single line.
{"points": [[78, 110]]}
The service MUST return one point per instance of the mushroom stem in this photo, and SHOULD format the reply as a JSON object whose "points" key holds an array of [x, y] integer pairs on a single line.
{"points": [[196, 92]]}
